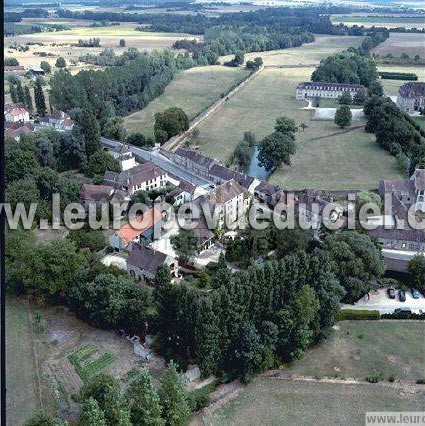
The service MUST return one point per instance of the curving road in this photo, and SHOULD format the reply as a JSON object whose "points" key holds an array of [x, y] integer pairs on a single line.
{"points": [[159, 160]]}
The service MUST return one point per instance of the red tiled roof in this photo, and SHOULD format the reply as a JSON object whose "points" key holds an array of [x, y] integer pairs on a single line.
{"points": [[17, 111], [128, 233]]}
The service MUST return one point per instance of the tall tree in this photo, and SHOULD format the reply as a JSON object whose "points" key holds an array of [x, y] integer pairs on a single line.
{"points": [[185, 244], [40, 102], [343, 116], [91, 131], [175, 407], [207, 337], [143, 401], [20, 92], [276, 149], [115, 407], [13, 93], [60, 62], [28, 99], [91, 414], [417, 270]]}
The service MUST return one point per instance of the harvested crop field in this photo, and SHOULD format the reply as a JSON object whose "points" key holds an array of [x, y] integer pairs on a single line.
{"points": [[398, 43]]}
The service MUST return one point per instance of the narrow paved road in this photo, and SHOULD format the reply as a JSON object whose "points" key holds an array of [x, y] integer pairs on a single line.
{"points": [[160, 161]]}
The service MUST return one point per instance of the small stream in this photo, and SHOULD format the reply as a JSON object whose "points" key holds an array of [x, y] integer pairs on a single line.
{"points": [[254, 169]]}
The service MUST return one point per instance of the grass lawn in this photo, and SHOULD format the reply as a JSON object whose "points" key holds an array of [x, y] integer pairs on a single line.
{"points": [[21, 371], [192, 90], [389, 347], [359, 348], [327, 157], [274, 401]]}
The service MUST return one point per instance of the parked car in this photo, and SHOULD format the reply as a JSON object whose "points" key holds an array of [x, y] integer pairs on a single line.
{"points": [[402, 295], [415, 293], [403, 311], [391, 293]]}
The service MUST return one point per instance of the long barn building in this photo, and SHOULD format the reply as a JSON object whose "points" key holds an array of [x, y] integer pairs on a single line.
{"points": [[311, 90]]}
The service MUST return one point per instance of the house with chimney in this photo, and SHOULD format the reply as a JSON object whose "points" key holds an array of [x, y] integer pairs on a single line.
{"points": [[144, 177], [228, 202], [143, 263], [124, 156], [14, 113], [185, 193]]}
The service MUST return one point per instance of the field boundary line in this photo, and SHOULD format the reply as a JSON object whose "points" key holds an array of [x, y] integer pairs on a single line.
{"points": [[176, 141], [34, 350]]}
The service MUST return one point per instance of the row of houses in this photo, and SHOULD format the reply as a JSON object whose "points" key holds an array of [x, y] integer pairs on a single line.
{"points": [[229, 201], [17, 121]]}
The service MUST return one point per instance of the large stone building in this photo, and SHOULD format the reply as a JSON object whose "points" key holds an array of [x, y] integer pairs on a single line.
{"points": [[229, 201], [312, 89], [405, 192], [210, 168], [411, 97], [144, 177]]}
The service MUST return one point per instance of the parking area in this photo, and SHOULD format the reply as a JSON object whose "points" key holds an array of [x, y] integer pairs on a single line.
{"points": [[380, 301]]}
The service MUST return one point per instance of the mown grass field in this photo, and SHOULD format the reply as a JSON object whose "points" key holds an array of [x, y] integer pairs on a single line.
{"points": [[192, 90], [398, 43], [21, 371], [358, 348], [355, 350], [274, 401], [327, 157]]}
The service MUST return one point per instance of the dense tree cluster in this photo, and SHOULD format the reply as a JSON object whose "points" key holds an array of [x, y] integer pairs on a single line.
{"points": [[116, 90], [169, 123], [346, 67], [253, 318], [106, 403], [276, 20], [112, 302], [395, 131], [277, 148]]}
